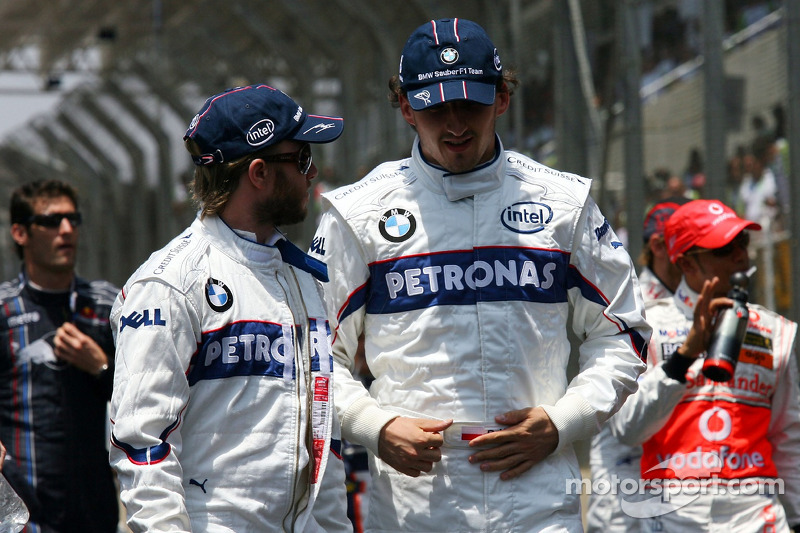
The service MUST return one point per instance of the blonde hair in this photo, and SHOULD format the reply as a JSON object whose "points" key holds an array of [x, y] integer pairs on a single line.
{"points": [[214, 184]]}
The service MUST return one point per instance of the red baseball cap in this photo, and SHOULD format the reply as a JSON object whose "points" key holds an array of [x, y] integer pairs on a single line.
{"points": [[705, 223]]}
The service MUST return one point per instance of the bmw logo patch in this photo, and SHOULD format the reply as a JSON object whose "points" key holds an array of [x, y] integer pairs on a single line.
{"points": [[449, 56], [397, 225], [218, 295]]}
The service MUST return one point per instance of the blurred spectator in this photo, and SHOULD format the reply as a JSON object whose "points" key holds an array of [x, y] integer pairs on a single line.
{"points": [[739, 165], [754, 10], [691, 12], [741, 13], [758, 190], [659, 278], [694, 176], [697, 432], [780, 160], [669, 32], [56, 369], [759, 125], [656, 183], [760, 197], [675, 187], [665, 184]]}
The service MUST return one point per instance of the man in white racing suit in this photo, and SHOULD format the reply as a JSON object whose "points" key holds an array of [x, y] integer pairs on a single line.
{"points": [[659, 277], [611, 461], [221, 413], [722, 453], [460, 265]]}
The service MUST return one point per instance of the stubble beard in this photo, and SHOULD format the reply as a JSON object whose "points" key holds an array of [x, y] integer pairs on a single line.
{"points": [[287, 206]]}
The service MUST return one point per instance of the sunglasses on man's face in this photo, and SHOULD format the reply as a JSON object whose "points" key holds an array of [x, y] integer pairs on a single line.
{"points": [[54, 220], [302, 157], [740, 241]]}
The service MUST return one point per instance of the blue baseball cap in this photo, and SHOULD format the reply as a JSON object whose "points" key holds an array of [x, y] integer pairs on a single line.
{"points": [[657, 216], [449, 59], [243, 120]]}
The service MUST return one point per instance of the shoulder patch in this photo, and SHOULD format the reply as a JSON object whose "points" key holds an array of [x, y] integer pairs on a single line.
{"points": [[366, 195], [397, 225], [218, 295]]}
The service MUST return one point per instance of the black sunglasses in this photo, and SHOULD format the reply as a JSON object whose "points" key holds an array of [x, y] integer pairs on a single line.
{"points": [[741, 241], [54, 220], [302, 157]]}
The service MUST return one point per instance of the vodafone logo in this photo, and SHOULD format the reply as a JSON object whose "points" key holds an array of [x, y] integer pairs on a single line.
{"points": [[715, 424], [715, 209]]}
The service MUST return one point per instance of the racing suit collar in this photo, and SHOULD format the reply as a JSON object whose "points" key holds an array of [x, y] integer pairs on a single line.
{"points": [[241, 245], [685, 298], [484, 178]]}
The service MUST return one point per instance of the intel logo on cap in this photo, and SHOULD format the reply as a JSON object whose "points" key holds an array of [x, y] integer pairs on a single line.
{"points": [[260, 132], [526, 217]]}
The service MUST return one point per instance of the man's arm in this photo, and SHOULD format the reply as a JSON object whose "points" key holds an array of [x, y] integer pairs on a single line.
{"points": [[608, 314], [77, 348], [663, 385], [409, 445], [150, 393]]}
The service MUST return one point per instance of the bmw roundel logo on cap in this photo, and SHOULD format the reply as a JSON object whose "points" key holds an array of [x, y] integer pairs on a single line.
{"points": [[397, 225], [449, 56], [218, 295]]}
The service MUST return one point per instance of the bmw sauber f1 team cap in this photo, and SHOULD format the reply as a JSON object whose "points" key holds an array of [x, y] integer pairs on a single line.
{"points": [[704, 223], [243, 120], [655, 219], [449, 59]]}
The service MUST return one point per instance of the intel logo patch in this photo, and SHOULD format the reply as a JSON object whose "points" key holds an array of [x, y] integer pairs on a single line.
{"points": [[260, 132], [526, 217]]}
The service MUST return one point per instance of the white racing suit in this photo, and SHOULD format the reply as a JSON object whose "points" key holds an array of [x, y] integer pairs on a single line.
{"points": [[652, 288], [610, 460], [462, 285], [221, 415], [716, 453]]}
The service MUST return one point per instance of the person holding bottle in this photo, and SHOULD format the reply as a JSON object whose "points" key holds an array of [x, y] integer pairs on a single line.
{"points": [[725, 452]]}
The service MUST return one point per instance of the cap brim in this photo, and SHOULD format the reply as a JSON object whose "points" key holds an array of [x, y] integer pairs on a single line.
{"points": [[422, 98], [722, 234], [319, 129]]}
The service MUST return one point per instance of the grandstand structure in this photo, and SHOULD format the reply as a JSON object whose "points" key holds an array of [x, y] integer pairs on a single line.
{"points": [[146, 67], [120, 80]]}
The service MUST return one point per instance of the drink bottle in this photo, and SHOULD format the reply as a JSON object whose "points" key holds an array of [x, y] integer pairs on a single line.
{"points": [[726, 341], [13, 512]]}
